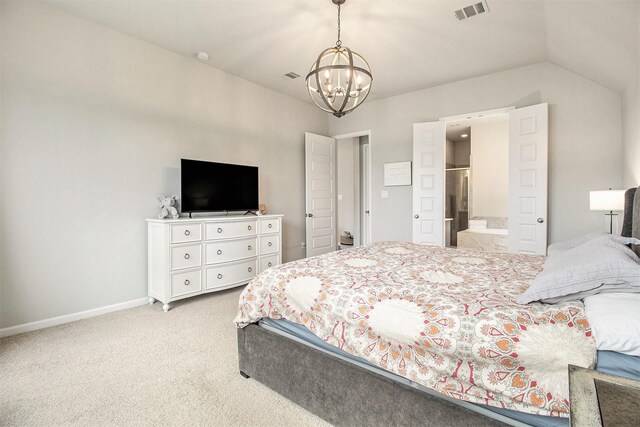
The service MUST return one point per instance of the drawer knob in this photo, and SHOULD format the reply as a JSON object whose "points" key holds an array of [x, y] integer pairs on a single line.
{"points": [[249, 247], [219, 230], [187, 232], [270, 244], [250, 269], [248, 227], [269, 265], [219, 276], [187, 282], [270, 225], [187, 256], [219, 252]]}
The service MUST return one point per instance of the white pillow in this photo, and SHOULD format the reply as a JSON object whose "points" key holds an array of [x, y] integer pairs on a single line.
{"points": [[603, 264], [615, 321]]}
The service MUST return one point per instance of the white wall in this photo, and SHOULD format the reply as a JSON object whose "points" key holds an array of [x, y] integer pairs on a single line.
{"points": [[450, 153], [631, 131], [585, 141], [490, 169], [631, 123], [94, 123], [1, 162], [462, 152]]}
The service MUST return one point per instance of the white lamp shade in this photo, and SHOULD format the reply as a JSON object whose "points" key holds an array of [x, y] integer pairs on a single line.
{"points": [[606, 200]]}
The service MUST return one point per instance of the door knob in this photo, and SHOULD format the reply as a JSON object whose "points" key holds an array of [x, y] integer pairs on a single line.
{"points": [[416, 216], [366, 212], [540, 220]]}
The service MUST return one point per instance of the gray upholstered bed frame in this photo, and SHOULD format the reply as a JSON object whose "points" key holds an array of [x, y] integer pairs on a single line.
{"points": [[341, 392], [346, 394]]}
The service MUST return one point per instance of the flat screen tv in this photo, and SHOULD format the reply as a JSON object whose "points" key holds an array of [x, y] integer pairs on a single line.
{"points": [[214, 187]]}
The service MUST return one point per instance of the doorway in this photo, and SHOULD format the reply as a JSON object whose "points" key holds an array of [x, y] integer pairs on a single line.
{"points": [[527, 168], [477, 183], [353, 217], [338, 191]]}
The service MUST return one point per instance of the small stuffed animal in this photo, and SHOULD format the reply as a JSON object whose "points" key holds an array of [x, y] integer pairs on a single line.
{"points": [[168, 206]]}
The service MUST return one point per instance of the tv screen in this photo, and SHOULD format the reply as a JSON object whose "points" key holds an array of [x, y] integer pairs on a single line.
{"points": [[210, 187]]}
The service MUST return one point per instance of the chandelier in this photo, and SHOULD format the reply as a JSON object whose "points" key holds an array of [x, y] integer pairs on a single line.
{"points": [[340, 79]]}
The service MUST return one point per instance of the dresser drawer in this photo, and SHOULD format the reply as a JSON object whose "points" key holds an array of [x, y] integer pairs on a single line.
{"points": [[186, 256], [218, 230], [225, 251], [269, 225], [184, 233], [186, 283], [230, 274], [269, 244], [268, 262]]}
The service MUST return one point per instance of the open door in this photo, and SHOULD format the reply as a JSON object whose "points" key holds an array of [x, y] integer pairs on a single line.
{"points": [[320, 184], [528, 156], [428, 183]]}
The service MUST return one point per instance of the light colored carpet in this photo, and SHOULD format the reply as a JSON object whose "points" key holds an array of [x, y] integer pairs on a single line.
{"points": [[139, 367]]}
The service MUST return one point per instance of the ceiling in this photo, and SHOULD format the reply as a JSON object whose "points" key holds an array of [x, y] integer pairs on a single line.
{"points": [[455, 133], [410, 44]]}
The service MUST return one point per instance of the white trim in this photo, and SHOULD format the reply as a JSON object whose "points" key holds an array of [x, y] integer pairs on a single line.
{"points": [[59, 320], [477, 114], [353, 134]]}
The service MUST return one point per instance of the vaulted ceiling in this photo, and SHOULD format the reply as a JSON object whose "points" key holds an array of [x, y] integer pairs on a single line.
{"points": [[410, 44]]}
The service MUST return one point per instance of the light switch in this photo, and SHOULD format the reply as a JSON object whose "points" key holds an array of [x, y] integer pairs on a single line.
{"points": [[339, 196], [385, 194]]}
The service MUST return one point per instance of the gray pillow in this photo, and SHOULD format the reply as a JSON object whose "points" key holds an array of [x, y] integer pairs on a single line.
{"points": [[570, 244], [602, 264]]}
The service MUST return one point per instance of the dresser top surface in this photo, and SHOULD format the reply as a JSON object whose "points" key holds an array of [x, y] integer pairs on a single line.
{"points": [[217, 218]]}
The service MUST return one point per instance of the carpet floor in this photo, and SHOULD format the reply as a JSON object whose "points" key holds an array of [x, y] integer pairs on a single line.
{"points": [[139, 367]]}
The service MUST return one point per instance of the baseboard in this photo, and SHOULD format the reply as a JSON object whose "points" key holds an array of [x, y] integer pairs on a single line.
{"points": [[59, 320]]}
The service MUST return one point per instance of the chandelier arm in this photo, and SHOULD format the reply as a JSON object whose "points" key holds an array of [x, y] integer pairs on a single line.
{"points": [[320, 91], [320, 106], [361, 101], [348, 93]]}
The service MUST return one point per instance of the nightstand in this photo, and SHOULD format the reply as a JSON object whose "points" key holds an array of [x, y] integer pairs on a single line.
{"points": [[602, 400]]}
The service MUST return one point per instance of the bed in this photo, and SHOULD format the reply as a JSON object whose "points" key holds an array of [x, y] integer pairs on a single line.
{"points": [[407, 334]]}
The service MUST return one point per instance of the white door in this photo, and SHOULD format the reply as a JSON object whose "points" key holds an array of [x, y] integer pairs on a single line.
{"points": [[428, 183], [320, 177], [528, 147], [365, 179]]}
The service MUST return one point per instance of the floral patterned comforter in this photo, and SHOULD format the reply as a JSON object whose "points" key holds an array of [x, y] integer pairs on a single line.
{"points": [[444, 318]]}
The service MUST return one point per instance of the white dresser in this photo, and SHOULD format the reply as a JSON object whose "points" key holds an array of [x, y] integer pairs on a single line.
{"points": [[189, 257]]}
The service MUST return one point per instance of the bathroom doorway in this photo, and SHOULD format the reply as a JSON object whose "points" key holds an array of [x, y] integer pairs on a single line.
{"points": [[477, 182]]}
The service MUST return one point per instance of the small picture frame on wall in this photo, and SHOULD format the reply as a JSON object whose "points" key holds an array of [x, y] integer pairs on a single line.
{"points": [[397, 174]]}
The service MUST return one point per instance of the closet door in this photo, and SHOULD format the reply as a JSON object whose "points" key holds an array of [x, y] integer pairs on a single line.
{"points": [[528, 186], [428, 183], [320, 182]]}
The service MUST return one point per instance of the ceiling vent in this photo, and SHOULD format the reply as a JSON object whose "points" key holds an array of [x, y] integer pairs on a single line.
{"points": [[472, 10], [292, 75]]}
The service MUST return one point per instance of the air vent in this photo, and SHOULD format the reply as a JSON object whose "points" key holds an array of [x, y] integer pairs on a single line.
{"points": [[292, 75], [472, 10]]}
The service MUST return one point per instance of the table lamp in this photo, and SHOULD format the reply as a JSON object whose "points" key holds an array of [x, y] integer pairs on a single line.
{"points": [[607, 200]]}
